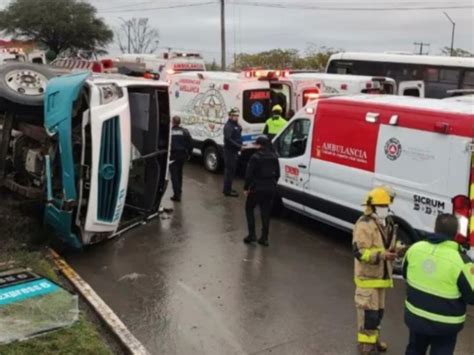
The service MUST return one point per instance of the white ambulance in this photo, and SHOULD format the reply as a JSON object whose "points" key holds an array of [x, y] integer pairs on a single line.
{"points": [[335, 150], [165, 64], [202, 100]]}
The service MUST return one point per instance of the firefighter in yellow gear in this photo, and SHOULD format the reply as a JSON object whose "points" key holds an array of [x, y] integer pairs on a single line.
{"points": [[373, 244], [275, 124]]}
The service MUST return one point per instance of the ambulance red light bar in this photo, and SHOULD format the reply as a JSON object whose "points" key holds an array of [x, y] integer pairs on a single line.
{"points": [[97, 67], [462, 210], [107, 63]]}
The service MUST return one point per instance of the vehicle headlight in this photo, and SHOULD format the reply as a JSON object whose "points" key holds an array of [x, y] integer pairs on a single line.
{"points": [[109, 93]]}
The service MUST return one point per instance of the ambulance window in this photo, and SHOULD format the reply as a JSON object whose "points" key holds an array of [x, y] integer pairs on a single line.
{"points": [[449, 75], [256, 105], [292, 142]]}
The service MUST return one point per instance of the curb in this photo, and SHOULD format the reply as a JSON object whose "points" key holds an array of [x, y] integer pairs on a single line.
{"points": [[129, 342]]}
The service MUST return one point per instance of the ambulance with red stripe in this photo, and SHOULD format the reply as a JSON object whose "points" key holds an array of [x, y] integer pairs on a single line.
{"points": [[337, 149]]}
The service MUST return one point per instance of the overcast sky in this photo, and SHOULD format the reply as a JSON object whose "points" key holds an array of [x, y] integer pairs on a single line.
{"points": [[253, 29]]}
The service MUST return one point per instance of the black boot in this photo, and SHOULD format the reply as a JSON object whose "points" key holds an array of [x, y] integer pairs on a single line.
{"points": [[263, 241], [250, 239]]}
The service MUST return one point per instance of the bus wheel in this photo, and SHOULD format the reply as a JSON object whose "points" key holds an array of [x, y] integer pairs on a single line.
{"points": [[212, 159]]}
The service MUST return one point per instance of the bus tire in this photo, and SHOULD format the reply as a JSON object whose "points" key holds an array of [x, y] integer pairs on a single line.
{"points": [[212, 159]]}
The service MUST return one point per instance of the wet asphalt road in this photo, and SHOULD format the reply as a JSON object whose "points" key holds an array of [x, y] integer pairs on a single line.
{"points": [[187, 284]]}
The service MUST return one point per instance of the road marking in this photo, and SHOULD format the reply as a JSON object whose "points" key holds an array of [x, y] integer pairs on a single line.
{"points": [[126, 338]]}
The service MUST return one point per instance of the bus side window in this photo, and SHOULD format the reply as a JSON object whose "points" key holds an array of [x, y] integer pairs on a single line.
{"points": [[468, 81]]}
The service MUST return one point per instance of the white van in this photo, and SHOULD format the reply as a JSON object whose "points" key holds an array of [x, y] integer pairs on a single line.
{"points": [[203, 99], [165, 64], [335, 150]]}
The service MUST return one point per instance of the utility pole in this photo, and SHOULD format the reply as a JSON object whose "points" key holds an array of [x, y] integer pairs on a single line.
{"points": [[223, 51], [421, 44], [452, 34]]}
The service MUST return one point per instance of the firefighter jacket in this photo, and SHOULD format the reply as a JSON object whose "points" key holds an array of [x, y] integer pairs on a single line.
{"points": [[440, 283], [370, 241]]}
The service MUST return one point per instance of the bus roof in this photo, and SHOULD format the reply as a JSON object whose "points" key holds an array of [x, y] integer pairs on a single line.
{"points": [[406, 58], [339, 77]]}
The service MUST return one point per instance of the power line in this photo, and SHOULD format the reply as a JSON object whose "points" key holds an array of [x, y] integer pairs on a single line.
{"points": [[333, 8], [159, 7]]}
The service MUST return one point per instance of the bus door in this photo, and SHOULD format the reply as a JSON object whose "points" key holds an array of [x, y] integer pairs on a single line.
{"points": [[414, 88]]}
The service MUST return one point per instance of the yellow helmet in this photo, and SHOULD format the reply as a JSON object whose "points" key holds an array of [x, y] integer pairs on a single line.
{"points": [[379, 196], [277, 108]]}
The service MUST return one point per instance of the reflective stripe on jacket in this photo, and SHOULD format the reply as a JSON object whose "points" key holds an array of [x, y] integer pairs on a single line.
{"points": [[440, 282], [370, 241]]}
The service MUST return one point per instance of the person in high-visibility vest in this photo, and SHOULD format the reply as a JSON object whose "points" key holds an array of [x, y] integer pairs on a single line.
{"points": [[374, 251], [274, 124], [440, 283]]}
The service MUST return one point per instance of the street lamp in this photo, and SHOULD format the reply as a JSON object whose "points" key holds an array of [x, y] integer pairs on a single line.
{"points": [[452, 36], [128, 24]]}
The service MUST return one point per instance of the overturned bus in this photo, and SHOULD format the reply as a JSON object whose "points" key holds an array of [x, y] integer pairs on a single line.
{"points": [[94, 148]]}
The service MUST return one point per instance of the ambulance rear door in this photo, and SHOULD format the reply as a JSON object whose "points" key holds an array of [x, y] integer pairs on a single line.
{"points": [[255, 104], [305, 92], [414, 88]]}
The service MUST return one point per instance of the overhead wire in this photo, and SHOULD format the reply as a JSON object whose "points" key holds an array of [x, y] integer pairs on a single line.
{"points": [[176, 6], [302, 6]]}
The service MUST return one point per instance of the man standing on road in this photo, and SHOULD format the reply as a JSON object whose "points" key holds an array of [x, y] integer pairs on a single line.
{"points": [[181, 149], [274, 124], [232, 148], [374, 250], [440, 283], [263, 172]]}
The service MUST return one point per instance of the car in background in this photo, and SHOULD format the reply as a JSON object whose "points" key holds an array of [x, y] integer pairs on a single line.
{"points": [[93, 148]]}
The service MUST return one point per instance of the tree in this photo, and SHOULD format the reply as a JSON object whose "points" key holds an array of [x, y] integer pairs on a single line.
{"points": [[137, 36], [457, 52], [315, 58], [272, 59], [58, 25]]}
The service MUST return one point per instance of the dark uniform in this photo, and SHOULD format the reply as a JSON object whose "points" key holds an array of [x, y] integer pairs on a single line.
{"points": [[263, 172], [181, 149], [232, 147]]}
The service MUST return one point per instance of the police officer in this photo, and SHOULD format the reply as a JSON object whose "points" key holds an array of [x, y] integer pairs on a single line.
{"points": [[274, 124], [374, 250], [232, 148], [440, 282], [181, 149], [263, 172]]}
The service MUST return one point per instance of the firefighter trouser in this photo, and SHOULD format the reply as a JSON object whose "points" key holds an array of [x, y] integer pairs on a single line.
{"points": [[370, 304]]}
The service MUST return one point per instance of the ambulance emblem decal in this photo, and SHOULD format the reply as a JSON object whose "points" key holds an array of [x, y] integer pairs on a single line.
{"points": [[393, 149]]}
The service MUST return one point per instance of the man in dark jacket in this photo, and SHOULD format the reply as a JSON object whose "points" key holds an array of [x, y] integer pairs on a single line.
{"points": [[440, 284], [232, 148], [181, 149], [263, 172]]}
